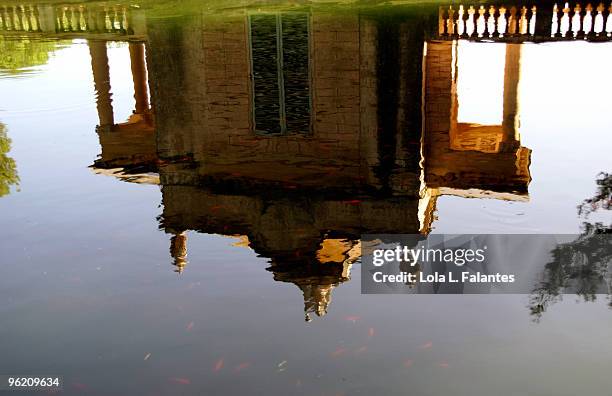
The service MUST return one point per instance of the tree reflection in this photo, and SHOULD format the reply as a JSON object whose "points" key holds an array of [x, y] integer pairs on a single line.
{"points": [[583, 264], [8, 168], [18, 54]]}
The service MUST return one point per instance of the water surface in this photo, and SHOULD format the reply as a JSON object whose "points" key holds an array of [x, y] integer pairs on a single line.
{"points": [[185, 197]]}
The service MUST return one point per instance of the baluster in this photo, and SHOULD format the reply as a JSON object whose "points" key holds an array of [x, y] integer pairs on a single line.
{"points": [[66, 19], [598, 23], [471, 27], [3, 19], [512, 22], [27, 26], [576, 23], [21, 22], [76, 18], [568, 13], [27, 16], [36, 19], [81, 19], [33, 26], [588, 28], [460, 21], [109, 19], [114, 19], [481, 24], [13, 18], [60, 19], [106, 19], [14, 22], [91, 20], [30, 18], [493, 15], [442, 21], [532, 20], [522, 24], [502, 22], [570, 19], [564, 22], [451, 21], [10, 18], [125, 24], [608, 21], [120, 19], [70, 18]]}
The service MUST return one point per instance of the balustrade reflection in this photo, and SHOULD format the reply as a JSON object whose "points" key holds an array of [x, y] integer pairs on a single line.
{"points": [[535, 22], [82, 20]]}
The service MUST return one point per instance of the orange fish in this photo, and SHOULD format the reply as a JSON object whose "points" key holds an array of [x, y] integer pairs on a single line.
{"points": [[443, 364], [338, 352], [242, 366], [182, 381], [352, 318], [190, 326], [218, 365], [371, 332], [427, 345], [408, 363]]}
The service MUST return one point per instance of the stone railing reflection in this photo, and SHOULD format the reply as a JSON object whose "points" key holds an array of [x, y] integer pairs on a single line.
{"points": [[516, 23], [69, 19], [572, 20]]}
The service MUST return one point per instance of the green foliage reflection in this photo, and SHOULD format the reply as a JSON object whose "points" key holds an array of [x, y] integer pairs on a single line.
{"points": [[8, 168]]}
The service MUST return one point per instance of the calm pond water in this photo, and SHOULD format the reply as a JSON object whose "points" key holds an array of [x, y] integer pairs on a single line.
{"points": [[183, 190]]}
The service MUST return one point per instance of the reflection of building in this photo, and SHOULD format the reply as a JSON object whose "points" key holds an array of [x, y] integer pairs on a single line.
{"points": [[335, 257], [303, 131], [467, 159], [307, 117], [131, 142]]}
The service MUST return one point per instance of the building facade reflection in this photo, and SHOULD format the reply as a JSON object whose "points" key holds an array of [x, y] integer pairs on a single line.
{"points": [[302, 131]]}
